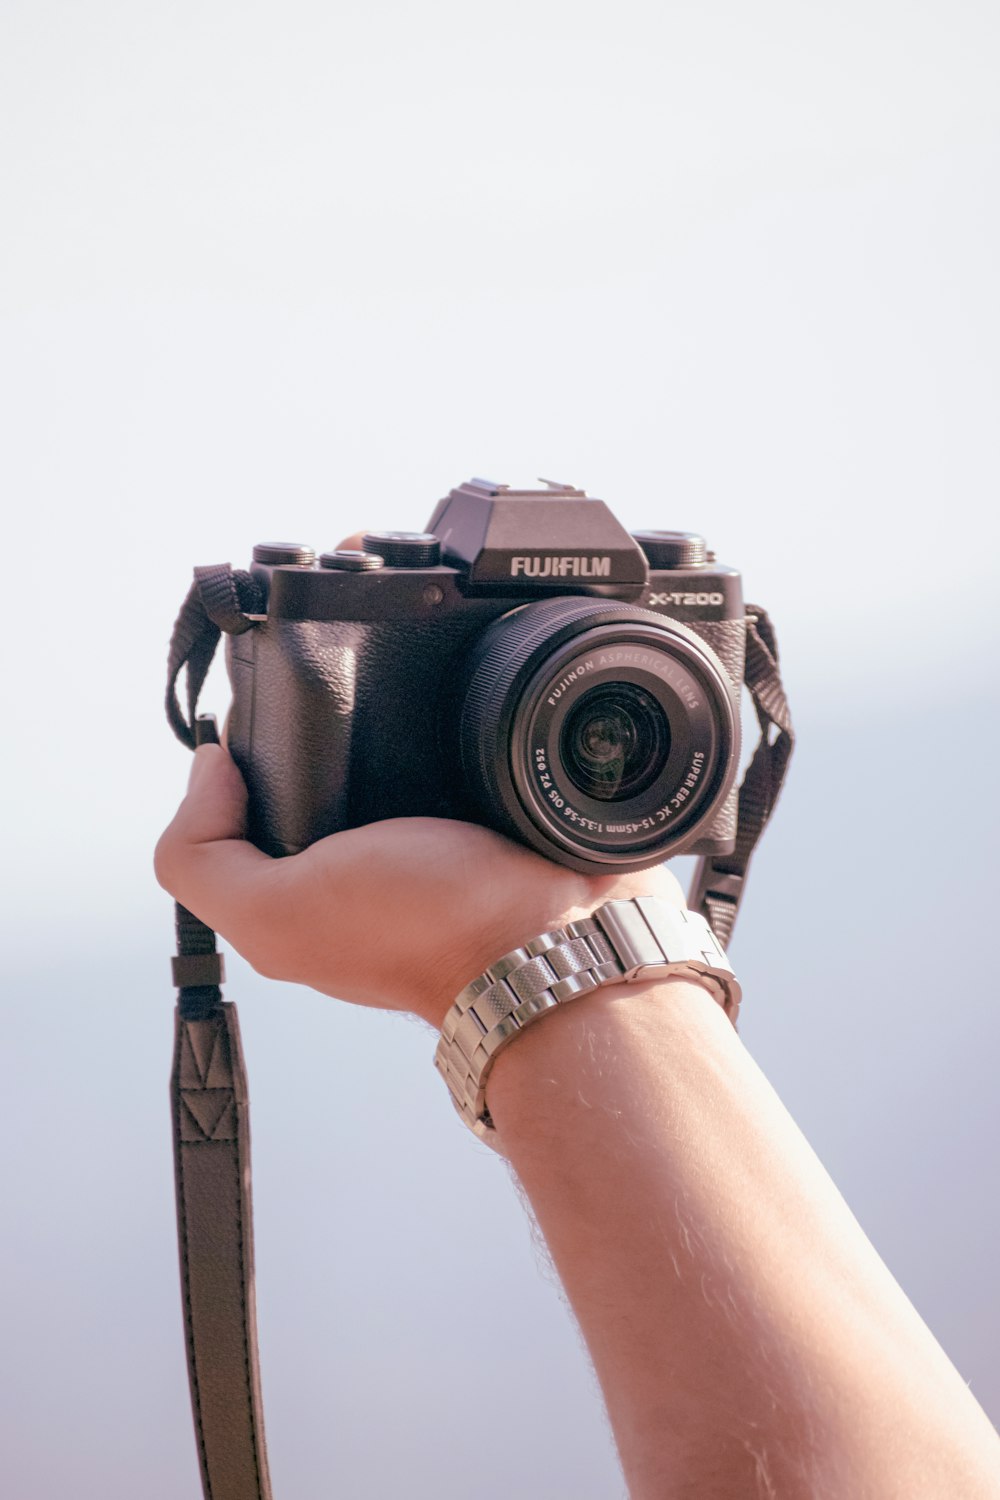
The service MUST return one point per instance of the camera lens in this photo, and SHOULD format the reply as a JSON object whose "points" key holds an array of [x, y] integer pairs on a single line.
{"points": [[614, 742], [600, 733]]}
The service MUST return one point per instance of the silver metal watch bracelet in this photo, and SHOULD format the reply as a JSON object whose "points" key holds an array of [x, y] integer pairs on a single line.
{"points": [[623, 942]]}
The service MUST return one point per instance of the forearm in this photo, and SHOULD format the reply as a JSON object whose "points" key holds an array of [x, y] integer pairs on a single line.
{"points": [[747, 1338]]}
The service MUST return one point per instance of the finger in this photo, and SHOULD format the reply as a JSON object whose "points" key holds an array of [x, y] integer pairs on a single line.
{"points": [[203, 858], [353, 543], [215, 806]]}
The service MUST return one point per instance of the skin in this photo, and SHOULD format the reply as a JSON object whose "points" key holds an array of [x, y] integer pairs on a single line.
{"points": [[748, 1340]]}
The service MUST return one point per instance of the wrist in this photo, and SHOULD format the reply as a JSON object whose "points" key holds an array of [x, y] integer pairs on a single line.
{"points": [[569, 1076], [565, 898], [638, 939]]}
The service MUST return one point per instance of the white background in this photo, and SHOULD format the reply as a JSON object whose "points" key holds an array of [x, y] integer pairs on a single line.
{"points": [[281, 271]]}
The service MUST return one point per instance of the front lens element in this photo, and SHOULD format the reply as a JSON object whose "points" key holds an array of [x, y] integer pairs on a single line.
{"points": [[614, 742]]}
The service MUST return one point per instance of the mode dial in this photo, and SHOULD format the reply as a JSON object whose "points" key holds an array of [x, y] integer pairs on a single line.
{"points": [[404, 549], [672, 549]]}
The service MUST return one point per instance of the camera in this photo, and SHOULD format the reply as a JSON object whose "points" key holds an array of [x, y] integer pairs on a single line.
{"points": [[525, 663]]}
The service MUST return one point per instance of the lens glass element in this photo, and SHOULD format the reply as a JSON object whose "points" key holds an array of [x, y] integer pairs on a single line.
{"points": [[614, 742]]}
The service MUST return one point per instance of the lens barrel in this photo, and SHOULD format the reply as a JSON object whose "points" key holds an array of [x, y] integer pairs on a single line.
{"points": [[602, 734]]}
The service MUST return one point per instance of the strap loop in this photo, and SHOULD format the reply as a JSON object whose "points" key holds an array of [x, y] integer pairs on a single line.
{"points": [[719, 881], [195, 970], [220, 599]]}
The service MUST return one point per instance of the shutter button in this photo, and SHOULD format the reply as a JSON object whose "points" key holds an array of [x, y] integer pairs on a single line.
{"points": [[350, 561]]}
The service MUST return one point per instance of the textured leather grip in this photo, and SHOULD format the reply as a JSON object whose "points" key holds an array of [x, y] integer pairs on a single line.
{"points": [[208, 1094]]}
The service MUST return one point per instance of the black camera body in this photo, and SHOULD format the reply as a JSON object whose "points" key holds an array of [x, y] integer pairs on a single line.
{"points": [[525, 663]]}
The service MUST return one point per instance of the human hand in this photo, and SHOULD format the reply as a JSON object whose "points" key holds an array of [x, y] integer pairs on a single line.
{"points": [[400, 914]]}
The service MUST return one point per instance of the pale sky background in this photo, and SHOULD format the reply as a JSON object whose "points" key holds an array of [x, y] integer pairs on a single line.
{"points": [[280, 271]]}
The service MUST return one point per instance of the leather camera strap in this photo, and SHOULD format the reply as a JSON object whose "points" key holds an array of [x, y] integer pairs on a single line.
{"points": [[208, 1088], [211, 1127]]}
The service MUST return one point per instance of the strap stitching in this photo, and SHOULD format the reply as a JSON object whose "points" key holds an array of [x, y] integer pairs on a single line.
{"points": [[247, 1375], [256, 1438], [202, 1077], [211, 1136], [188, 1311], [179, 1145]]}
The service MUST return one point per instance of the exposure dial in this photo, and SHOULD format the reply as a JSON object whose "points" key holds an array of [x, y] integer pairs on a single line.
{"points": [[672, 549], [404, 549]]}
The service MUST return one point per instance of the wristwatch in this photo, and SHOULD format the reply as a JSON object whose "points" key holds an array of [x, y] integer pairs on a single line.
{"points": [[623, 942]]}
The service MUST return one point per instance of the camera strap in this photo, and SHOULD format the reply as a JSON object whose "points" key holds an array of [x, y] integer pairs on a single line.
{"points": [[208, 1084], [211, 1120], [211, 1128], [220, 599], [719, 880]]}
